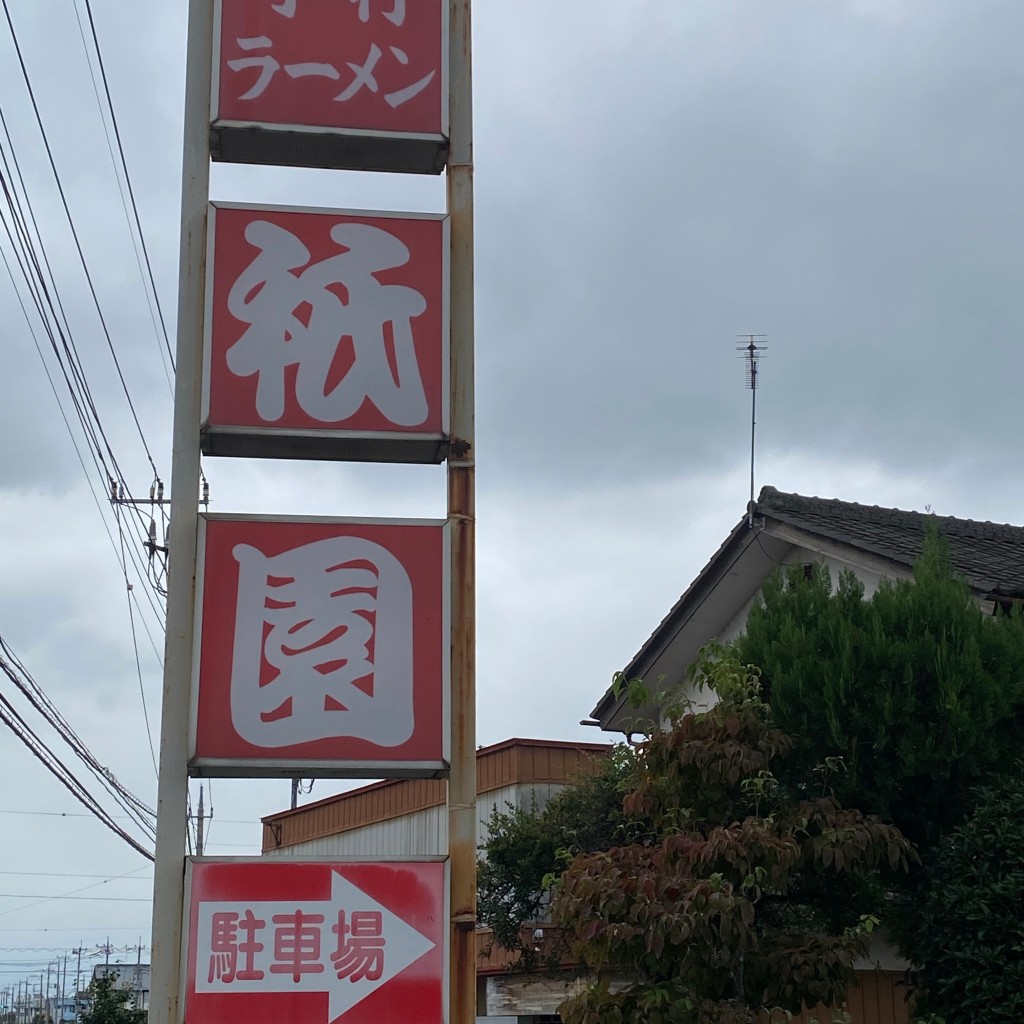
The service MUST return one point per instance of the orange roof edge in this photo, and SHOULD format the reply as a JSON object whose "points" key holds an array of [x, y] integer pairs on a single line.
{"points": [[494, 748]]}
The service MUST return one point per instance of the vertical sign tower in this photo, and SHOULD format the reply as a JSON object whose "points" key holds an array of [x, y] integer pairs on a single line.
{"points": [[338, 647]]}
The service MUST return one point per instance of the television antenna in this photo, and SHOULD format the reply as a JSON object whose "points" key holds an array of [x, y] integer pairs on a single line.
{"points": [[751, 352]]}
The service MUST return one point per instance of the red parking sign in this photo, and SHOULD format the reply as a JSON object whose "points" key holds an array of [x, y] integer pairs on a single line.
{"points": [[293, 942]]}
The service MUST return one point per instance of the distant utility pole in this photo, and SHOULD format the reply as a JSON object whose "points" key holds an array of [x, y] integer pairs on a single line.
{"points": [[200, 826], [78, 974]]}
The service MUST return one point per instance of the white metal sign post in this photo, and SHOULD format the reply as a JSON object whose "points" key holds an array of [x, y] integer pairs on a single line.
{"points": [[281, 94], [172, 790]]}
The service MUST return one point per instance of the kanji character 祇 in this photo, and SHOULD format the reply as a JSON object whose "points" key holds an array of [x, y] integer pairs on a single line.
{"points": [[225, 947], [297, 944], [312, 614], [269, 295], [360, 952]]}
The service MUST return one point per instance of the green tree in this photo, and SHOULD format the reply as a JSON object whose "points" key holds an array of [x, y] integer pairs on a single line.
{"points": [[971, 921], [109, 1004], [524, 848], [916, 689], [728, 907]]}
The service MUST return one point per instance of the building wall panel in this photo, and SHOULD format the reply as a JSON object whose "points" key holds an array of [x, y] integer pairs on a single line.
{"points": [[524, 762]]}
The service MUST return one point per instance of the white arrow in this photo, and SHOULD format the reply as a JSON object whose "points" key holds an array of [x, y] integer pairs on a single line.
{"points": [[225, 966]]}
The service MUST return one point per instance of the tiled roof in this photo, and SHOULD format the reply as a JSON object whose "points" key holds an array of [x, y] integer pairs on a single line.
{"points": [[989, 555]]}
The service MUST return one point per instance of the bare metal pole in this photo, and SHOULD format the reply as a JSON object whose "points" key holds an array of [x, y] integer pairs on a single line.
{"points": [[462, 817], [200, 825], [751, 353], [753, 427], [172, 793]]}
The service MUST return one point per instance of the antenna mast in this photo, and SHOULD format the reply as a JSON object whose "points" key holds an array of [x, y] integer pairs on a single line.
{"points": [[751, 353]]}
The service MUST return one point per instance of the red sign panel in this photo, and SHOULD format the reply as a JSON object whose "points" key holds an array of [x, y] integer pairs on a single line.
{"points": [[358, 67], [286, 942], [323, 647], [326, 331]]}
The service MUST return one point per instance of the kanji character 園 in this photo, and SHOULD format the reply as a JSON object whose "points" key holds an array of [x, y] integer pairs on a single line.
{"points": [[312, 614]]}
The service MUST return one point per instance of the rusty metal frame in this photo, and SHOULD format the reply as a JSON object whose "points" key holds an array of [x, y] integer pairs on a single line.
{"points": [[462, 814]]}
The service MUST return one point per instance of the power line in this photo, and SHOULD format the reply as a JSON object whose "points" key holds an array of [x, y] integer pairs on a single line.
{"points": [[34, 693], [31, 256], [74, 231], [80, 814], [72, 895], [21, 729], [72, 874], [127, 178], [142, 815], [89, 928], [138, 663], [43, 898]]}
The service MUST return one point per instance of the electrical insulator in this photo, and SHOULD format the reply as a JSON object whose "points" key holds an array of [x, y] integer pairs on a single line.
{"points": [[160, 490], [206, 492]]}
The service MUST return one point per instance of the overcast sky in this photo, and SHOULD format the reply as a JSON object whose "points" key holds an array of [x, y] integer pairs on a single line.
{"points": [[653, 179]]}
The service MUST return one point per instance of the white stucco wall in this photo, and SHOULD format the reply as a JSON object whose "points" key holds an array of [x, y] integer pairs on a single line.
{"points": [[803, 556]]}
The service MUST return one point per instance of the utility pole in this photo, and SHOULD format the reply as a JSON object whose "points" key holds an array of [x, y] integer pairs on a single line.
{"points": [[200, 826], [172, 789], [138, 950], [78, 975]]}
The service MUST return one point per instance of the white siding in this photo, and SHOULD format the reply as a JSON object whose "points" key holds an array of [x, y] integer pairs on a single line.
{"points": [[420, 834]]}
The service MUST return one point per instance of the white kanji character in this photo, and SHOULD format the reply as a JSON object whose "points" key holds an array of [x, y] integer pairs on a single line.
{"points": [[396, 15], [400, 96], [312, 69], [267, 64], [268, 296], [364, 77], [285, 7], [314, 614]]}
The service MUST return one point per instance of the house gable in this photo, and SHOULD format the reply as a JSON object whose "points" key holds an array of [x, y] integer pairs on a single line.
{"points": [[790, 529]]}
